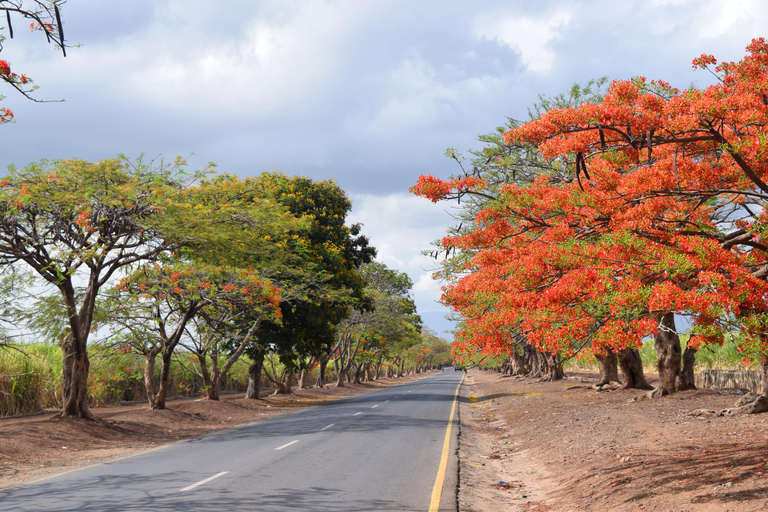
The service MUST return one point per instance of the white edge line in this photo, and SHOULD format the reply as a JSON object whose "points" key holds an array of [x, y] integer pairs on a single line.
{"points": [[201, 482], [287, 445], [327, 427]]}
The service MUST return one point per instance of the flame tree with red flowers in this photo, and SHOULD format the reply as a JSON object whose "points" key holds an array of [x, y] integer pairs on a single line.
{"points": [[665, 216], [44, 17]]}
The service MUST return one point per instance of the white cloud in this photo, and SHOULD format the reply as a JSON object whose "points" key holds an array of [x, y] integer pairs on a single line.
{"points": [[400, 226], [427, 285], [278, 57], [418, 92], [530, 37], [718, 19]]}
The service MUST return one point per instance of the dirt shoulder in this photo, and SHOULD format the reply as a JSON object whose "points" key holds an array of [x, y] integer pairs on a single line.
{"points": [[562, 446], [32, 447]]}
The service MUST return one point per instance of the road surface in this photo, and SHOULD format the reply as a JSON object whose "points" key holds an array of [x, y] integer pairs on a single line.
{"points": [[380, 451]]}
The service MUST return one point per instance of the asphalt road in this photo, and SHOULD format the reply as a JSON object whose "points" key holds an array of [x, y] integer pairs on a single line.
{"points": [[375, 452]]}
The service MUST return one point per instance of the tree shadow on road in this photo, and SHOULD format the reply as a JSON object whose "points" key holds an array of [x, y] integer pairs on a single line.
{"points": [[160, 493]]}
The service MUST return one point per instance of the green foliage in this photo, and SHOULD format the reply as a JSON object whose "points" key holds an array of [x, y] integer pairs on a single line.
{"points": [[709, 357], [30, 377], [325, 276], [181, 244]]}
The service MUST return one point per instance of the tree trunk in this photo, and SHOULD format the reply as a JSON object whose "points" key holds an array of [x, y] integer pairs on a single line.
{"points": [[321, 372], [254, 377], [553, 367], [687, 375], [210, 381], [667, 343], [519, 365], [287, 382], [165, 379], [632, 369], [74, 378], [150, 384], [283, 384], [340, 373], [219, 374], [608, 364], [302, 379], [532, 357]]}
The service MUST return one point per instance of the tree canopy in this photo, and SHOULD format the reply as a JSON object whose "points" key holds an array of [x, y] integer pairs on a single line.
{"points": [[664, 215]]}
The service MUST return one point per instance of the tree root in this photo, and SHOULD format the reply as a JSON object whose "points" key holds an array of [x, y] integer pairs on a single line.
{"points": [[757, 407], [610, 386], [743, 406]]}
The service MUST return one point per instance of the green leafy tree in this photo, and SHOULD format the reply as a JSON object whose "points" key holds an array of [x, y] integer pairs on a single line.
{"points": [[326, 257], [80, 225], [168, 298], [367, 336]]}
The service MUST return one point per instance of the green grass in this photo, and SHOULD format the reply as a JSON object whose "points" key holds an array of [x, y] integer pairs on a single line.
{"points": [[722, 357], [30, 377], [27, 379]]}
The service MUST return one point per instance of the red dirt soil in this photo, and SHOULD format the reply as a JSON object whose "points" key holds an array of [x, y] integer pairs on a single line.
{"points": [[562, 446]]}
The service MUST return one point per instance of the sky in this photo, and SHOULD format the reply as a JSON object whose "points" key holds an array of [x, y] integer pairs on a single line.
{"points": [[368, 92]]}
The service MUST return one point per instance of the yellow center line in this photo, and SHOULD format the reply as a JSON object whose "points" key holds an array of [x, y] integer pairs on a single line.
{"points": [[437, 490]]}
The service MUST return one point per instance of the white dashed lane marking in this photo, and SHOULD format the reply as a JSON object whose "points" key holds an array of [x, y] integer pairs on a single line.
{"points": [[201, 482], [287, 445]]}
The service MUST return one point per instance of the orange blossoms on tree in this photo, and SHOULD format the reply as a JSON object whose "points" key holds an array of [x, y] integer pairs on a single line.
{"points": [[658, 216], [436, 189]]}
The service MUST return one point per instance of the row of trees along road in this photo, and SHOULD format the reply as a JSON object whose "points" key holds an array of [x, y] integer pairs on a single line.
{"points": [[163, 257], [597, 221]]}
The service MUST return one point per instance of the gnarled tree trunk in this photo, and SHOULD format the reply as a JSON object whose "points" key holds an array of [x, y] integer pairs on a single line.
{"points": [[254, 377], [517, 362], [283, 385], [74, 378], [632, 369], [321, 372], [609, 369], [553, 367], [667, 343], [689, 361], [532, 356], [150, 384]]}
